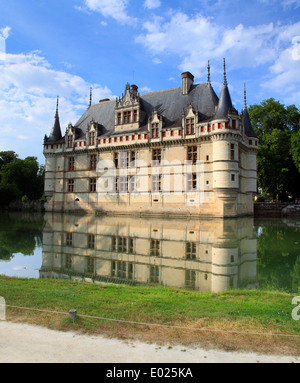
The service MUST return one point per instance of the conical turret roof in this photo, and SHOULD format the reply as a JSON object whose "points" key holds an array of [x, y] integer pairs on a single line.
{"points": [[247, 122], [55, 134], [225, 103]]}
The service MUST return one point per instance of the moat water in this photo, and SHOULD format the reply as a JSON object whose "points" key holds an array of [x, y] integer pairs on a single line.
{"points": [[204, 255]]}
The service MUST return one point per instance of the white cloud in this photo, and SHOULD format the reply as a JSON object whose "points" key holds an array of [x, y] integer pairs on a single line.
{"points": [[197, 39], [152, 4], [117, 9], [28, 90], [283, 75]]}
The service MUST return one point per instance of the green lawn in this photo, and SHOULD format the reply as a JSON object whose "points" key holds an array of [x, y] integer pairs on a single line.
{"points": [[152, 304]]}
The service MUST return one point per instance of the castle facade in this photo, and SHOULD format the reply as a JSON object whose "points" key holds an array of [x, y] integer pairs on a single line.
{"points": [[176, 152]]}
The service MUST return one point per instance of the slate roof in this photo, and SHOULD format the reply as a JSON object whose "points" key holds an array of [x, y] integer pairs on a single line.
{"points": [[168, 103], [55, 134]]}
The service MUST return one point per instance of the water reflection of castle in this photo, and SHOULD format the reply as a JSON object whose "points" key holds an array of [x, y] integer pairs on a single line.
{"points": [[206, 255]]}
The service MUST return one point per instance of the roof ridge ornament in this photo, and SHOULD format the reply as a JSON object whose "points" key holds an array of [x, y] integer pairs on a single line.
{"points": [[225, 77], [245, 97], [57, 103], [208, 73], [91, 96]]}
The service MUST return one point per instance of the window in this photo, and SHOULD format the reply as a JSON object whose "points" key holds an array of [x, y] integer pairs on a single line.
{"points": [[93, 185], [123, 184], [70, 186], [132, 158], [232, 152], [191, 182], [122, 244], [233, 124], [91, 265], [127, 117], [116, 160], [71, 164], [190, 278], [156, 156], [190, 126], [69, 239], [123, 160], [92, 138], [232, 177], [121, 273], [135, 116], [131, 184], [122, 269], [93, 161], [192, 154], [155, 247], [119, 118], [130, 246], [68, 261], [155, 131], [154, 274], [91, 241], [113, 244], [191, 250], [70, 141], [156, 183]]}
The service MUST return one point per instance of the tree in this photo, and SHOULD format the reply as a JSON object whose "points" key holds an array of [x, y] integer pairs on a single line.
{"points": [[295, 149], [277, 128], [7, 157], [21, 178]]}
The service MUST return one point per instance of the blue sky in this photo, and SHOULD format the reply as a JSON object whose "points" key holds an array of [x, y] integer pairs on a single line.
{"points": [[64, 47]]}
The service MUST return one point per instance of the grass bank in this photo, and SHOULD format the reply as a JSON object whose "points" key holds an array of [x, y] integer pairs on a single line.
{"points": [[249, 311]]}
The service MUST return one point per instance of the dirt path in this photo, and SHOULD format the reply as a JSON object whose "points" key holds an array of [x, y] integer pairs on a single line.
{"points": [[22, 343]]}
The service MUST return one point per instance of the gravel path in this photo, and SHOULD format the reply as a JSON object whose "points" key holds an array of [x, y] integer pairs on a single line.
{"points": [[22, 343]]}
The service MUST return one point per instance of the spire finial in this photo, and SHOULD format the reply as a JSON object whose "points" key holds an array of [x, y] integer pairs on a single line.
{"points": [[224, 64], [57, 102], [91, 96], [245, 97], [208, 72]]}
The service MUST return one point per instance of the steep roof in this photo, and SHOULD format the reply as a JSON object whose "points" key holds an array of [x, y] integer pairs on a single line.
{"points": [[169, 103]]}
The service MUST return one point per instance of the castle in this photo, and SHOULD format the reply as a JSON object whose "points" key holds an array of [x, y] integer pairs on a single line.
{"points": [[175, 152]]}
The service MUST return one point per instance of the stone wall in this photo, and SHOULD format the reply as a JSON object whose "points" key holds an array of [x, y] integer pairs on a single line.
{"points": [[262, 209]]}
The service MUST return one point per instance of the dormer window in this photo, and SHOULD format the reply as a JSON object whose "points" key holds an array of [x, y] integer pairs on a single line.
{"points": [[127, 117], [92, 138], [190, 126], [119, 118], [70, 141], [127, 110], [155, 130]]}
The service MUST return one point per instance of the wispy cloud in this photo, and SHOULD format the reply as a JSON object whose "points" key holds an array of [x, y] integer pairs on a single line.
{"points": [[152, 4], [116, 9]]}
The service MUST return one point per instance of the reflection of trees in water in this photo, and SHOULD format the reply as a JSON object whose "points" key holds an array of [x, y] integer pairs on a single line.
{"points": [[278, 253], [20, 233]]}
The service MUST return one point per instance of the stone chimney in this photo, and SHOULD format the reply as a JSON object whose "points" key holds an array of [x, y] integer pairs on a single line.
{"points": [[187, 82]]}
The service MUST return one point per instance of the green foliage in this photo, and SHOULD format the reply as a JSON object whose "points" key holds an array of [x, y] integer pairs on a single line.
{"points": [[20, 179], [295, 149], [278, 162]]}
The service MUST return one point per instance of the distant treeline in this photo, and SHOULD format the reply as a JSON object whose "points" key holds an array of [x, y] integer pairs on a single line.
{"points": [[20, 180]]}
